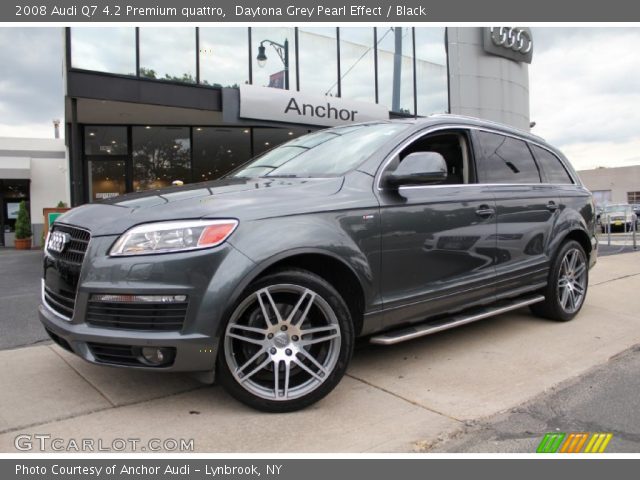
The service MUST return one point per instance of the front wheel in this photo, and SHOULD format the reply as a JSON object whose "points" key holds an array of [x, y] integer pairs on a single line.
{"points": [[287, 343], [567, 286]]}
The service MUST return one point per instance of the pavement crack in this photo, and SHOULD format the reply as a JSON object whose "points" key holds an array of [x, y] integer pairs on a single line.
{"points": [[43, 341], [99, 410], [408, 400], [95, 387], [615, 279]]}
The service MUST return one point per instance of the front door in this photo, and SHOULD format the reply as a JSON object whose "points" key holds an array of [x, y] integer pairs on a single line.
{"points": [[437, 241]]}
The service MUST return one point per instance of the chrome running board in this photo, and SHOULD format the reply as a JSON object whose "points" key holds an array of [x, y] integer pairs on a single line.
{"points": [[473, 315]]}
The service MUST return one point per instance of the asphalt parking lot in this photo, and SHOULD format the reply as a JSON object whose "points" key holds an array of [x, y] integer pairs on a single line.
{"points": [[438, 393]]}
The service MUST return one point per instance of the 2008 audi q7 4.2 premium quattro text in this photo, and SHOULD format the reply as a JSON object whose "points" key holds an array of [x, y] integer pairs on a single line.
{"points": [[387, 230]]}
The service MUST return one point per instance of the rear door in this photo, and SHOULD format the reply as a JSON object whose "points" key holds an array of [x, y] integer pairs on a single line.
{"points": [[526, 208]]}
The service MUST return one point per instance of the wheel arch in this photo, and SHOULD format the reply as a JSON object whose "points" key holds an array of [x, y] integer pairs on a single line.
{"points": [[326, 265], [581, 237]]}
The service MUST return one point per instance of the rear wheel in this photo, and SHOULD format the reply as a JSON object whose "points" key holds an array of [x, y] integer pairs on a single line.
{"points": [[287, 343], [567, 287]]}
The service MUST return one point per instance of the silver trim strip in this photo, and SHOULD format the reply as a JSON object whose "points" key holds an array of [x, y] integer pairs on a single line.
{"points": [[48, 307], [426, 329]]}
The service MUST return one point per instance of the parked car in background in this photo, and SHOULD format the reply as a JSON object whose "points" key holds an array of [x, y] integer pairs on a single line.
{"points": [[389, 230], [617, 216]]}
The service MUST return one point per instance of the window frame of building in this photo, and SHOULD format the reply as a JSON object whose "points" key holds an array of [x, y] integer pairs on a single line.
{"points": [[633, 198], [296, 83]]}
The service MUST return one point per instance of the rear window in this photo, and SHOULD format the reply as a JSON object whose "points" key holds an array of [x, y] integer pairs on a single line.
{"points": [[505, 160], [551, 166]]}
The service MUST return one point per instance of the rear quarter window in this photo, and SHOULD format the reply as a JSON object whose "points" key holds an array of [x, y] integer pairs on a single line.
{"points": [[505, 160], [551, 165]]}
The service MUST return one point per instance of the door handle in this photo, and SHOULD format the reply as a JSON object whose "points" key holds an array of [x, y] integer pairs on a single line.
{"points": [[552, 206], [485, 211]]}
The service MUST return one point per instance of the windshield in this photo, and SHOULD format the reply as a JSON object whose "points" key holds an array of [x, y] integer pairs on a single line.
{"points": [[617, 208], [326, 153]]}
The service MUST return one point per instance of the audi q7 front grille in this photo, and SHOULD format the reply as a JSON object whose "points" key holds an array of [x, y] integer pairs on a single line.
{"points": [[75, 249], [62, 265]]}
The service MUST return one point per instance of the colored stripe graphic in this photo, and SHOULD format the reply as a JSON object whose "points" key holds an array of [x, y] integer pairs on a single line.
{"points": [[574, 442], [598, 443], [560, 442], [550, 443]]}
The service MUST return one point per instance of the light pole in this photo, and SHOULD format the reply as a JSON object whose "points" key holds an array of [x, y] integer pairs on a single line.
{"points": [[283, 53]]}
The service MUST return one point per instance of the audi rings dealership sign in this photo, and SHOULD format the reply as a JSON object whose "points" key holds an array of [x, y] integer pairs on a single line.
{"points": [[515, 43]]}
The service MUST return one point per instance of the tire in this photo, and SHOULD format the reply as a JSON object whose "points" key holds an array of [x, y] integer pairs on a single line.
{"points": [[265, 334], [567, 286]]}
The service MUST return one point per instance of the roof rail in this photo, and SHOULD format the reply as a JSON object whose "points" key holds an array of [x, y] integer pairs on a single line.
{"points": [[486, 122]]}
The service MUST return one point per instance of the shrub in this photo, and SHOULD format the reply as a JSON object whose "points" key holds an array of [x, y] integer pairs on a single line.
{"points": [[23, 222]]}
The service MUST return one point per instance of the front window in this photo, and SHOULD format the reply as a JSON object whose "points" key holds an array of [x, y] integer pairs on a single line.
{"points": [[326, 153]]}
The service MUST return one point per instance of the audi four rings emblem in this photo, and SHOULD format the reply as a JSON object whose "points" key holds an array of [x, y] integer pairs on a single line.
{"points": [[516, 39], [58, 241], [515, 43]]}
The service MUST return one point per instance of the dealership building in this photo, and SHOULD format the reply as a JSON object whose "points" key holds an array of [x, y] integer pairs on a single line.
{"points": [[613, 184], [148, 106]]}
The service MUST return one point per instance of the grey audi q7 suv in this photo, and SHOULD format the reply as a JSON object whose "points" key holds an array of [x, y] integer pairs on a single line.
{"points": [[386, 230]]}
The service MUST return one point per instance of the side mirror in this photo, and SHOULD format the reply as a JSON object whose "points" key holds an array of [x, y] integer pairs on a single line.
{"points": [[418, 168]]}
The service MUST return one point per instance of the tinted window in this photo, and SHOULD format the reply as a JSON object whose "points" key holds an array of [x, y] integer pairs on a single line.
{"points": [[551, 166], [505, 160]]}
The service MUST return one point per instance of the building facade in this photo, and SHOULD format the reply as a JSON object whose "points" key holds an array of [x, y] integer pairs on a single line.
{"points": [[613, 185], [148, 106], [34, 170]]}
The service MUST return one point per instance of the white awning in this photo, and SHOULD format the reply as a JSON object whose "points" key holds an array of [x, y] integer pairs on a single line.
{"points": [[12, 168]]}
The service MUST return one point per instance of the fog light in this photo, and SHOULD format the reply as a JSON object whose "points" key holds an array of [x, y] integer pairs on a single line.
{"points": [[156, 356], [117, 298]]}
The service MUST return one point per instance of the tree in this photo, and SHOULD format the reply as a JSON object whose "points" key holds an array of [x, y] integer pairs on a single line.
{"points": [[23, 222]]}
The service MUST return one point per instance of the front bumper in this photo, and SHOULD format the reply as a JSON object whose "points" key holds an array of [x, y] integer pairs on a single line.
{"points": [[193, 352], [209, 278]]}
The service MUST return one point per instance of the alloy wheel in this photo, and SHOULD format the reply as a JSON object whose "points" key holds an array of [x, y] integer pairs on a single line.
{"points": [[572, 280], [282, 342]]}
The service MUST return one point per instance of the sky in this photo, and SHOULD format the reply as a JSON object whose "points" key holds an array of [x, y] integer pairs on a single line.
{"points": [[584, 86]]}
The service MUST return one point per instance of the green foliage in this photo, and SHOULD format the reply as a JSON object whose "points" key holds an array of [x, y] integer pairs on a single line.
{"points": [[61, 204], [23, 222]]}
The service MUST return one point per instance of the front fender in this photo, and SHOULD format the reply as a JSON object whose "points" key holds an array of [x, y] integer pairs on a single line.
{"points": [[351, 237]]}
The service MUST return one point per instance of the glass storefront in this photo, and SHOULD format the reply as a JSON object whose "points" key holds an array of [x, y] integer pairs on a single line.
{"points": [[279, 46], [121, 159], [402, 68], [12, 192], [104, 49], [318, 62], [218, 150], [357, 64], [161, 155], [395, 68], [168, 53], [220, 63], [369, 64], [431, 71], [108, 178]]}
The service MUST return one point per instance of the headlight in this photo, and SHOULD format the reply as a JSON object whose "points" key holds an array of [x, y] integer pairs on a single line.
{"points": [[166, 237]]}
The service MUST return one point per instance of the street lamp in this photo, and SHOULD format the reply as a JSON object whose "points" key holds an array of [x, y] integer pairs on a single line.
{"points": [[283, 53]]}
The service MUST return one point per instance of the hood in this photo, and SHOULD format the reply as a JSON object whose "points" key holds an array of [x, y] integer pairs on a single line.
{"points": [[243, 199]]}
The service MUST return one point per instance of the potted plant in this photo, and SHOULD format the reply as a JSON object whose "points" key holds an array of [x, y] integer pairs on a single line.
{"points": [[23, 228]]}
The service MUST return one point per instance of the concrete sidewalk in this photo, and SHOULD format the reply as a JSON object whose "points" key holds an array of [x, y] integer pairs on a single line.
{"points": [[401, 398]]}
